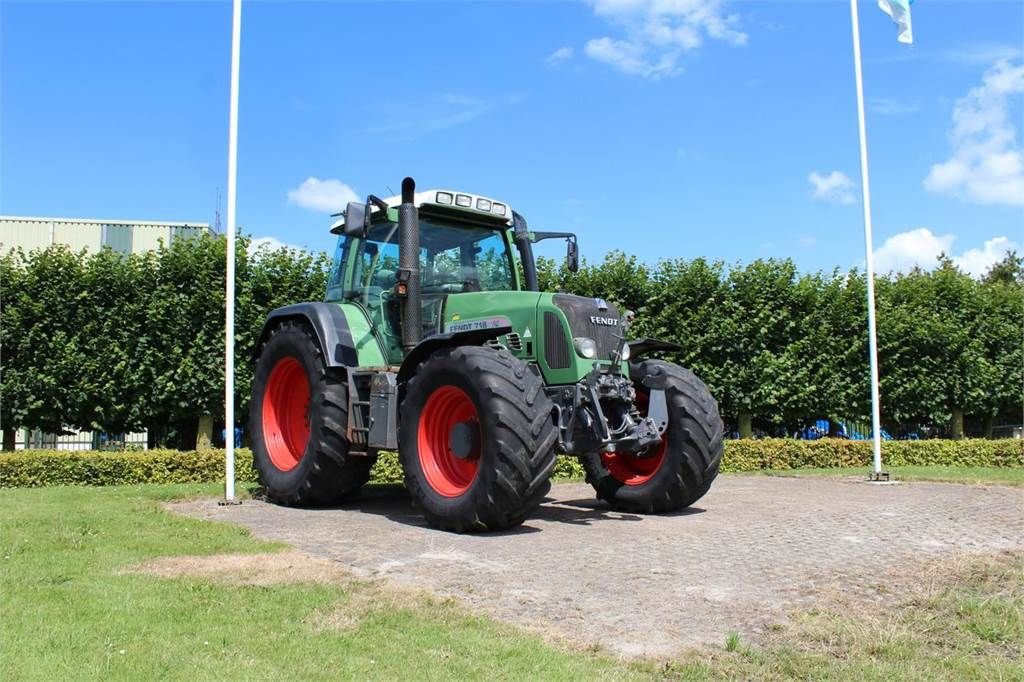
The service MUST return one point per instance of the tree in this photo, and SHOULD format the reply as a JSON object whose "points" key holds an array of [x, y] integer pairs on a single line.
{"points": [[113, 339], [934, 364], [269, 280], [686, 305], [1010, 270], [39, 338], [1002, 335]]}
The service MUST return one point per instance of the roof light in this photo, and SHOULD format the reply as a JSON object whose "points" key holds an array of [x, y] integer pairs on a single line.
{"points": [[444, 198], [498, 209], [464, 200], [483, 204]]}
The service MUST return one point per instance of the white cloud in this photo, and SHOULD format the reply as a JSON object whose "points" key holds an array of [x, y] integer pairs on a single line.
{"points": [[629, 58], [324, 196], [443, 112], [982, 53], [265, 244], [979, 261], [836, 187], [921, 248], [886, 106], [987, 165], [560, 55], [917, 248], [659, 32]]}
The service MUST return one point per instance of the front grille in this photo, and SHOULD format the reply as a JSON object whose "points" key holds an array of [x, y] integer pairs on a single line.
{"points": [[579, 310], [556, 347]]}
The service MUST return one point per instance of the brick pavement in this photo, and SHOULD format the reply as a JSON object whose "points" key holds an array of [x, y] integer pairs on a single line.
{"points": [[749, 552]]}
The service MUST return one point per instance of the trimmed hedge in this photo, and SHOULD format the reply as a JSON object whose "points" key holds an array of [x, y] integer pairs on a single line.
{"points": [[784, 453], [37, 468]]}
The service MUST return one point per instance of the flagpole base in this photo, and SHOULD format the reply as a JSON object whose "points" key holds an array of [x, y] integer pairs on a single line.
{"points": [[879, 477], [225, 502]]}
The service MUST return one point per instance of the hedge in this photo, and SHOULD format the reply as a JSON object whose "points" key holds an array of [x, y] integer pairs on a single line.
{"points": [[37, 468]]}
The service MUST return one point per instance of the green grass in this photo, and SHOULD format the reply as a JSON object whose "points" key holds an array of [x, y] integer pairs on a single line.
{"points": [[964, 620], [67, 612], [945, 474]]}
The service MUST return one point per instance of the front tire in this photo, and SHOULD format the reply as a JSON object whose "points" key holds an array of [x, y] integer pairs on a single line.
{"points": [[476, 439], [681, 469], [298, 420]]}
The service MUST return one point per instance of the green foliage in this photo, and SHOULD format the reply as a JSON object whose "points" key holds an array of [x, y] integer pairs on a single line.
{"points": [[786, 453], [38, 468], [121, 343], [785, 349]]}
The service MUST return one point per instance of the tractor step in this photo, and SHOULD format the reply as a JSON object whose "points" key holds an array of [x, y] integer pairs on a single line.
{"points": [[359, 411], [372, 410]]}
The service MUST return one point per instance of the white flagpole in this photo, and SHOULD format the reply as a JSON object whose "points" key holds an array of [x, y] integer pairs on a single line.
{"points": [[876, 428], [229, 293]]}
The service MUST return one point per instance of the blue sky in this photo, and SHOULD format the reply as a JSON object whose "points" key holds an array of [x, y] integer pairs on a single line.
{"points": [[663, 128]]}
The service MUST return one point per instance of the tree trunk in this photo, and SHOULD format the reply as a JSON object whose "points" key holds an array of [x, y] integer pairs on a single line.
{"points": [[204, 435], [10, 436], [745, 426], [956, 424], [987, 424]]}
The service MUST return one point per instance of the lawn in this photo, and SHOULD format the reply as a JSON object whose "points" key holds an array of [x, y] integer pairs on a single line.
{"points": [[68, 611], [943, 474]]}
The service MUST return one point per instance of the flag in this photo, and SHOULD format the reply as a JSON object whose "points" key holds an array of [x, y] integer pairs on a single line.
{"points": [[899, 10]]}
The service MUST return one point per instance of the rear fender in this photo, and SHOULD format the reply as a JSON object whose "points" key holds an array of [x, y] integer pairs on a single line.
{"points": [[328, 323]]}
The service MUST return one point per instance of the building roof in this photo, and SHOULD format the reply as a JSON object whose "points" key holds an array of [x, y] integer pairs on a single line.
{"points": [[98, 221]]}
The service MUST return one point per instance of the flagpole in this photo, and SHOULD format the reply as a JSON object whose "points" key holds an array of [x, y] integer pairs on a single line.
{"points": [[876, 429], [229, 290]]}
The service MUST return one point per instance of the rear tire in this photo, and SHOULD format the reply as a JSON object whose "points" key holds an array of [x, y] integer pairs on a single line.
{"points": [[476, 439], [685, 463], [298, 420]]}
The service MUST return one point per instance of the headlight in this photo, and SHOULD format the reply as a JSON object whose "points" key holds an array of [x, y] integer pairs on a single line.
{"points": [[625, 351], [585, 347]]}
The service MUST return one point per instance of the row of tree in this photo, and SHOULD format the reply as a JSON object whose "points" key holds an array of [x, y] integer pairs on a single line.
{"points": [[780, 348], [121, 343]]}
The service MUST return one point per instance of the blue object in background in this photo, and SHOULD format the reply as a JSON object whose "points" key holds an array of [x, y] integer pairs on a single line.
{"points": [[238, 436]]}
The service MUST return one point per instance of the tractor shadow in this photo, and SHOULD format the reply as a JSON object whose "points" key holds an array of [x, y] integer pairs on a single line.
{"points": [[393, 502], [586, 511]]}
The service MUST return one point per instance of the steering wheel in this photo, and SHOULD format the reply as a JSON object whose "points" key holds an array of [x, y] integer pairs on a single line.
{"points": [[442, 284]]}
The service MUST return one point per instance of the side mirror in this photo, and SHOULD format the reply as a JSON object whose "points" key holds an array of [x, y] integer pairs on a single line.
{"points": [[572, 251], [355, 219], [572, 256]]}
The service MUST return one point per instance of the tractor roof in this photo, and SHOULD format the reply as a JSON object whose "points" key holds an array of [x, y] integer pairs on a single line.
{"points": [[446, 200]]}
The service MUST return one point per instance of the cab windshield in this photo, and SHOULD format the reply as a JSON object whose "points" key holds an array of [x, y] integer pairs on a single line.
{"points": [[454, 258]]}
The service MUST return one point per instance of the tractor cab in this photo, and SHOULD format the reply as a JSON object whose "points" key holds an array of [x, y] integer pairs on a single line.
{"points": [[464, 247]]}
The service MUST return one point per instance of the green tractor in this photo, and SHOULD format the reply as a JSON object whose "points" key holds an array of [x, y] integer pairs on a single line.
{"points": [[434, 341]]}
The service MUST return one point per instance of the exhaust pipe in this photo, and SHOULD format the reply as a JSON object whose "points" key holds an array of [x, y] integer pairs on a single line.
{"points": [[409, 266]]}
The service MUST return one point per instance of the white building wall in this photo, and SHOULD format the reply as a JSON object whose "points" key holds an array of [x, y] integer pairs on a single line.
{"points": [[135, 236]]}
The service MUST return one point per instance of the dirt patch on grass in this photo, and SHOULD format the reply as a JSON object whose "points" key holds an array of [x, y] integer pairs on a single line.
{"points": [[374, 598], [275, 568], [960, 617]]}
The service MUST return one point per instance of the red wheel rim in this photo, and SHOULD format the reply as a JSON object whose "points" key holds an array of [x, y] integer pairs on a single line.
{"points": [[630, 469], [286, 413], [447, 474]]}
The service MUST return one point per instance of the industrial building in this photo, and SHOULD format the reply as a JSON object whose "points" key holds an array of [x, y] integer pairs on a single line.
{"points": [[124, 236]]}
